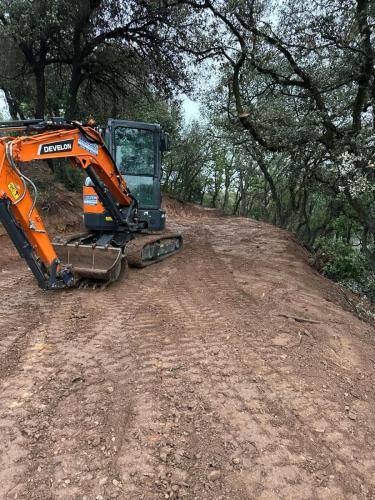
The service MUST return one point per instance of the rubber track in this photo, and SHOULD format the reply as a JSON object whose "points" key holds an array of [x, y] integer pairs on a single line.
{"points": [[134, 248]]}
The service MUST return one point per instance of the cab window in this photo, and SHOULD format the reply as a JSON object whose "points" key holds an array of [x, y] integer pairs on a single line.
{"points": [[134, 151]]}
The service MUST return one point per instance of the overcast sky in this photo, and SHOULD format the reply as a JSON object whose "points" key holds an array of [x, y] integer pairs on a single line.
{"points": [[190, 108], [3, 107]]}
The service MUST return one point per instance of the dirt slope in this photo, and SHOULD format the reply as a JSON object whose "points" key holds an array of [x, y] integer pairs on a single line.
{"points": [[228, 371]]}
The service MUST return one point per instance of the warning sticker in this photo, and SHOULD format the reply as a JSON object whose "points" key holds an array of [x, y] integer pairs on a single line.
{"points": [[90, 199], [91, 147], [14, 190]]}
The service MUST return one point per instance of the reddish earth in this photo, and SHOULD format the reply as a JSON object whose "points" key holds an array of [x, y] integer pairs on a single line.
{"points": [[230, 371]]}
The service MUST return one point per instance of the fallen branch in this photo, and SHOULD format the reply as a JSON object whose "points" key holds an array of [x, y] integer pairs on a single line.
{"points": [[300, 320]]}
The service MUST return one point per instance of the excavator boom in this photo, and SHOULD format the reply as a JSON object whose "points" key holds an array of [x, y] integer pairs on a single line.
{"points": [[86, 149]]}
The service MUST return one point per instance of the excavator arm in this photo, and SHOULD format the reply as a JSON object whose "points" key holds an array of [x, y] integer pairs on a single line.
{"points": [[85, 148]]}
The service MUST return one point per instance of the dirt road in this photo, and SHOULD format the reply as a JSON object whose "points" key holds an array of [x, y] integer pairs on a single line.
{"points": [[230, 371]]}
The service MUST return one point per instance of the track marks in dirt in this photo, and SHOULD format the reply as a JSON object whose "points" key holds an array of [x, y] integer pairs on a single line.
{"points": [[190, 379], [227, 383], [305, 382]]}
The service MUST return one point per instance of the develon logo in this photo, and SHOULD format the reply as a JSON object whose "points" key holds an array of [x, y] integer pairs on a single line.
{"points": [[56, 147]]}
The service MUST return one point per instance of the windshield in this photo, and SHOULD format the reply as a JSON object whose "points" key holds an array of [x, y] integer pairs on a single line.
{"points": [[134, 151]]}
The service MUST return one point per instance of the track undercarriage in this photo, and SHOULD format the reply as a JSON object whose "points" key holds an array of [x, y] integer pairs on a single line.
{"points": [[99, 258]]}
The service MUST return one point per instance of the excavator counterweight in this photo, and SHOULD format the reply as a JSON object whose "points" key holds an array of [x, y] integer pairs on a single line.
{"points": [[120, 221]]}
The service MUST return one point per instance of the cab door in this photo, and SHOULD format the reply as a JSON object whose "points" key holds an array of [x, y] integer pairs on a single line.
{"points": [[135, 146]]}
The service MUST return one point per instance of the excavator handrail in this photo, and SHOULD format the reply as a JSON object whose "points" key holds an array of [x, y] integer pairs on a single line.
{"points": [[85, 148]]}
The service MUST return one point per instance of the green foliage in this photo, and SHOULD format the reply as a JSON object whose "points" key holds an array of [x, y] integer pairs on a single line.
{"points": [[87, 58], [293, 104], [72, 178], [348, 266], [344, 262]]}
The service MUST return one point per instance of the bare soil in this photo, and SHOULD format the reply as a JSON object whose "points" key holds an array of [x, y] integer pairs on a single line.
{"points": [[232, 370]]}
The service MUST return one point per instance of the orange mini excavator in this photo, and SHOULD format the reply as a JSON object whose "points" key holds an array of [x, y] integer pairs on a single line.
{"points": [[122, 224]]}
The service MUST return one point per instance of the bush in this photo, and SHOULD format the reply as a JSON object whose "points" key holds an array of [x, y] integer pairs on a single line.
{"points": [[344, 262], [72, 178], [348, 266]]}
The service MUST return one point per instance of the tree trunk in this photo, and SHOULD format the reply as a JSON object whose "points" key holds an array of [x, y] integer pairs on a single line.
{"points": [[226, 198], [74, 84], [227, 182], [40, 84], [203, 194], [214, 197], [37, 61], [275, 196], [237, 203]]}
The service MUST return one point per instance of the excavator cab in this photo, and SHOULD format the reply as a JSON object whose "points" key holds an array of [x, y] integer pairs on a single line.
{"points": [[136, 148]]}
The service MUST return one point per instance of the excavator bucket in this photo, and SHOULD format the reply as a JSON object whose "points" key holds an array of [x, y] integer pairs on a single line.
{"points": [[90, 261]]}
